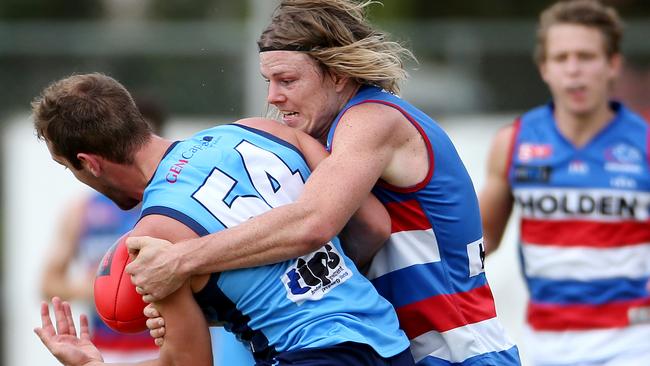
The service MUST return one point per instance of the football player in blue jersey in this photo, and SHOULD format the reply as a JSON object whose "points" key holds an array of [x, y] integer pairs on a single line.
{"points": [[577, 168], [310, 309], [89, 226]]}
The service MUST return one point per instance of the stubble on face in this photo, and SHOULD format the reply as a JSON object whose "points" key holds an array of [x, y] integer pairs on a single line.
{"points": [[303, 96]]}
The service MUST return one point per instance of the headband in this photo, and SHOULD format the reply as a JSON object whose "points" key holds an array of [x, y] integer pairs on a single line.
{"points": [[288, 47]]}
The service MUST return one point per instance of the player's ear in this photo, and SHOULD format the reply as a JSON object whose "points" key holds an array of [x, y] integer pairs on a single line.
{"points": [[541, 68], [91, 163], [339, 80], [616, 63]]}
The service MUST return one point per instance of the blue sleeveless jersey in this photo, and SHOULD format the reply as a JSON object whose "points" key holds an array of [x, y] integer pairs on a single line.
{"points": [[102, 224], [431, 268], [584, 236], [223, 176]]}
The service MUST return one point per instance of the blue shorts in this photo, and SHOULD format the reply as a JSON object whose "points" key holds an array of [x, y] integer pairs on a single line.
{"points": [[344, 354]]}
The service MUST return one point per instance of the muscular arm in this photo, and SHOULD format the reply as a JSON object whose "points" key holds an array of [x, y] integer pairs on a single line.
{"points": [[332, 194], [187, 338], [495, 199], [368, 228], [55, 280]]}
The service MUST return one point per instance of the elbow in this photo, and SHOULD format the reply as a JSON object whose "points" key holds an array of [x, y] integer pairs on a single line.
{"points": [[381, 233], [315, 233]]}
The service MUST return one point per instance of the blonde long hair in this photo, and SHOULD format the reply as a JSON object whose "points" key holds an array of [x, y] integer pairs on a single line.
{"points": [[338, 36]]}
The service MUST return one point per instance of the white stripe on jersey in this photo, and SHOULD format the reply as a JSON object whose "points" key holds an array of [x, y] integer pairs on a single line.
{"points": [[476, 255], [404, 249], [459, 344], [584, 263], [578, 203], [574, 347]]}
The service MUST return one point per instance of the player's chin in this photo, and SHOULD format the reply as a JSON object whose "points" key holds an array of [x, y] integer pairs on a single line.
{"points": [[126, 204]]}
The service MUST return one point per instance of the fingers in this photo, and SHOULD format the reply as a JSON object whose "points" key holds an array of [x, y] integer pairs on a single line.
{"points": [[60, 317], [150, 311], [155, 323], [46, 321], [84, 332], [149, 298], [157, 333], [72, 330], [139, 290], [159, 342], [135, 243]]}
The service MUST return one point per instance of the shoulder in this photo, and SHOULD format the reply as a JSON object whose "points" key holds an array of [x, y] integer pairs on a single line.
{"points": [[272, 127], [377, 114], [368, 122]]}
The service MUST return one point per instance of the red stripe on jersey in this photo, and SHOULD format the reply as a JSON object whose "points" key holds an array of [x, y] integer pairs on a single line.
{"points": [[406, 216], [545, 317], [585, 233], [445, 312]]}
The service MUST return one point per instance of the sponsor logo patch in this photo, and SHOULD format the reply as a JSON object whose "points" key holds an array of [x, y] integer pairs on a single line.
{"points": [[314, 275], [532, 174], [528, 151]]}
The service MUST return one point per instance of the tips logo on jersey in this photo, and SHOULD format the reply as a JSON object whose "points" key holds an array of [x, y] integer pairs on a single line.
{"points": [[314, 275]]}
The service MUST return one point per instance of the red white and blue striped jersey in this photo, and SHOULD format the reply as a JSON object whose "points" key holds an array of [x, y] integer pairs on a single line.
{"points": [[431, 268], [584, 236]]}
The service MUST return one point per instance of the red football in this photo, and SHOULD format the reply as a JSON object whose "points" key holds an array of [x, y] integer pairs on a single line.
{"points": [[117, 303]]}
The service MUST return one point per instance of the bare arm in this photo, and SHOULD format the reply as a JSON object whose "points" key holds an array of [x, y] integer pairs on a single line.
{"points": [[332, 194], [55, 280], [495, 198], [187, 340], [369, 227]]}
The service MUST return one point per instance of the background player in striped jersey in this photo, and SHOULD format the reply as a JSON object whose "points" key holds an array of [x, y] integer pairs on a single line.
{"points": [[577, 168], [311, 309], [334, 76]]}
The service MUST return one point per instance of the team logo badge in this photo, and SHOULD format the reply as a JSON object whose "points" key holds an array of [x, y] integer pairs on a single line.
{"points": [[623, 158], [314, 275]]}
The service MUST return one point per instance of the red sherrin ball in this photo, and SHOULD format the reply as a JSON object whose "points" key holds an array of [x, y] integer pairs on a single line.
{"points": [[117, 302]]}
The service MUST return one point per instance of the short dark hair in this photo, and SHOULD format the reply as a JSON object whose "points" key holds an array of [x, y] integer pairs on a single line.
{"points": [[90, 113], [589, 13]]}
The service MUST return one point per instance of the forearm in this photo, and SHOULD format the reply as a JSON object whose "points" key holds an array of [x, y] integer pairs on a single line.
{"points": [[283, 233], [366, 232], [187, 339], [67, 289]]}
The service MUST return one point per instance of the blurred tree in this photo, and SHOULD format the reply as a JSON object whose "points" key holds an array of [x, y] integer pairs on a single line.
{"points": [[197, 9], [418, 9], [50, 9]]}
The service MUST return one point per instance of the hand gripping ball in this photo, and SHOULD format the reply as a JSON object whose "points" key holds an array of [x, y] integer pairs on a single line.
{"points": [[117, 302]]}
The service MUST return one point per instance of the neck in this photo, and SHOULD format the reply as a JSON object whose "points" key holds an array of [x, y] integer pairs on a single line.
{"points": [[581, 128], [145, 163]]}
